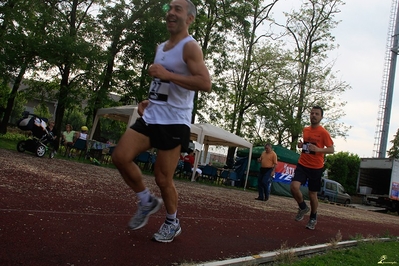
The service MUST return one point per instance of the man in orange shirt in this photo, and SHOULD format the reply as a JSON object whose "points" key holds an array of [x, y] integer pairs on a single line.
{"points": [[268, 162], [310, 167]]}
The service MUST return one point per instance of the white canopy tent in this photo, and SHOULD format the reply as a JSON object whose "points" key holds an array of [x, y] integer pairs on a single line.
{"points": [[207, 135], [204, 134], [126, 113]]}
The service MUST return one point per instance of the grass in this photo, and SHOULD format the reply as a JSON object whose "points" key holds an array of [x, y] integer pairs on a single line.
{"points": [[10, 140], [285, 256], [365, 253], [8, 145]]}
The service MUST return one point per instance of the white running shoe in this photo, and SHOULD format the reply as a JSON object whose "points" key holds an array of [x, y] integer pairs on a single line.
{"points": [[140, 219], [167, 232]]}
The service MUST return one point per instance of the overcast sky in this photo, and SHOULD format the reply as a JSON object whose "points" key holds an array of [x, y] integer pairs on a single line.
{"points": [[362, 38]]}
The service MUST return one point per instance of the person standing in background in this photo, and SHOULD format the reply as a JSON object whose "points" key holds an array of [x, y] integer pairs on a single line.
{"points": [[268, 163]]}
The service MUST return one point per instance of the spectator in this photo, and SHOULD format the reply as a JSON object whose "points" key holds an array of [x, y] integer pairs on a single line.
{"points": [[190, 157], [268, 162], [53, 140], [68, 137], [82, 134]]}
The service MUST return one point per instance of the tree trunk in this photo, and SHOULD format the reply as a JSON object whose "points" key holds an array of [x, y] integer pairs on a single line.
{"points": [[11, 99], [59, 114]]}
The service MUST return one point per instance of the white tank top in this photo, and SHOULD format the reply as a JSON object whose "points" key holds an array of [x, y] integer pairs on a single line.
{"points": [[83, 136], [170, 103]]}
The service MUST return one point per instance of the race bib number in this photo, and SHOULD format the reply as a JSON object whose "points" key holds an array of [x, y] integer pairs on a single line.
{"points": [[305, 148], [159, 90]]}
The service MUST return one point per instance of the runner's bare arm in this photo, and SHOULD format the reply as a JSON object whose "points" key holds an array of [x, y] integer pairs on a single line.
{"points": [[198, 81]]}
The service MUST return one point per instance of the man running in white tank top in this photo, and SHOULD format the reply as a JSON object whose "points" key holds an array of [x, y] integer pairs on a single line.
{"points": [[178, 72]]}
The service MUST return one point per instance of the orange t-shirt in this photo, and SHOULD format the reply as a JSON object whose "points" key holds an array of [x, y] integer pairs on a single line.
{"points": [[268, 160], [319, 137]]}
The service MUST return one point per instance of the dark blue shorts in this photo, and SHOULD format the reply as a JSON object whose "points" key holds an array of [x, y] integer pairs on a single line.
{"points": [[312, 176], [164, 137]]}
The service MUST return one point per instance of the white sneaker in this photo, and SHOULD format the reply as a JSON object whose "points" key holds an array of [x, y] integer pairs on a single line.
{"points": [[140, 219], [167, 232]]}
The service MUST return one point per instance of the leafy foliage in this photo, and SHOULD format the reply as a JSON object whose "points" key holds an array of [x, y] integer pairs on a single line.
{"points": [[42, 110], [112, 130], [13, 137], [343, 167], [75, 118], [82, 52], [311, 80], [19, 107], [394, 150]]}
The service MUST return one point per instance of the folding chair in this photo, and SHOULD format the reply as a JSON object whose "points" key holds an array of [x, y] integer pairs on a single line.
{"points": [[106, 158], [80, 145], [187, 170], [209, 172], [143, 158], [224, 175], [235, 181]]}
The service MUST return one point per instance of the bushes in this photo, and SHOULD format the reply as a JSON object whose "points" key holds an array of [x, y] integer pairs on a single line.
{"points": [[343, 167], [15, 134]]}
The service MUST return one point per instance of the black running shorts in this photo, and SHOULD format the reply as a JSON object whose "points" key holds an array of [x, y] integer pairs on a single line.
{"points": [[312, 176], [164, 137]]}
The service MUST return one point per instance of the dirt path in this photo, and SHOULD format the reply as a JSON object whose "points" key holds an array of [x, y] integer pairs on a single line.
{"points": [[57, 212]]}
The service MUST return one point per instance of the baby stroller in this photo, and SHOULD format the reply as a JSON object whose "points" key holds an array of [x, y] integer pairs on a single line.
{"points": [[39, 142]]}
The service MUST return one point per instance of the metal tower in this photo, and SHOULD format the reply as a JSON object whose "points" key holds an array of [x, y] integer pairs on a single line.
{"points": [[386, 95]]}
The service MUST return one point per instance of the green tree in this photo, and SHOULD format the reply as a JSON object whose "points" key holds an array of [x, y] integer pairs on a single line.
{"points": [[71, 48], [312, 81], [133, 30], [343, 167], [112, 130], [4, 92], [394, 150], [42, 111], [19, 107], [74, 117], [234, 84], [215, 29], [270, 96], [20, 31]]}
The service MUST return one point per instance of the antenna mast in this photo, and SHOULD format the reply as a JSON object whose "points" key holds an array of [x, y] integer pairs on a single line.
{"points": [[386, 95]]}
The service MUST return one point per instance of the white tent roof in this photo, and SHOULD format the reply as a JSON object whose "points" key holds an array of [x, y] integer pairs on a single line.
{"points": [[126, 113], [120, 113], [207, 135], [212, 135], [204, 134]]}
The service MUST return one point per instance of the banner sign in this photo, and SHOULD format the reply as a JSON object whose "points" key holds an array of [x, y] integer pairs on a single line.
{"points": [[395, 191], [284, 172]]}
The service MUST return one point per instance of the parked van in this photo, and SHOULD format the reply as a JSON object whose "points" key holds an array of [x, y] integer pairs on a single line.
{"points": [[333, 191]]}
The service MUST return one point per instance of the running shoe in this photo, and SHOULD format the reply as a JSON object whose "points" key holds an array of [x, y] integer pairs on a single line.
{"points": [[167, 232], [140, 219], [311, 224], [301, 213]]}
